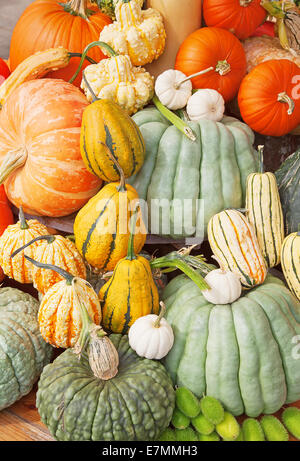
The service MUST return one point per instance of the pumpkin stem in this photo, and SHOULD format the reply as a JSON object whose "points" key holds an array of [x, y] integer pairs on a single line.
{"points": [[130, 252], [245, 2], [50, 239], [13, 160], [23, 222], [79, 55], [261, 159], [174, 119], [161, 314], [121, 187], [285, 98], [222, 268], [68, 277], [177, 85], [77, 8], [223, 67], [86, 50]]}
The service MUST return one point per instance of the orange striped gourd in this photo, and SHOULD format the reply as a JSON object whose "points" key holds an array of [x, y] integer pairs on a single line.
{"points": [[233, 241]]}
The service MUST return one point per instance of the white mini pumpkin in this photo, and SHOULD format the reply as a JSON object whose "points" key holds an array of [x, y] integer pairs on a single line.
{"points": [[170, 91], [206, 103], [225, 287], [151, 336]]}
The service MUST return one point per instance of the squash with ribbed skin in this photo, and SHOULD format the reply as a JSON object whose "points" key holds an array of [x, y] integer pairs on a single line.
{"points": [[108, 6], [239, 353], [233, 241], [13, 238], [290, 262], [213, 168], [23, 352], [288, 180], [264, 212], [107, 130], [137, 404]]}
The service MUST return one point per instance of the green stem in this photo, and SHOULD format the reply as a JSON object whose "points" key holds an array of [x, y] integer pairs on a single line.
{"points": [[79, 55], [23, 222], [177, 262], [108, 48], [161, 314], [121, 187], [49, 238], [68, 277], [95, 98], [130, 252], [261, 159], [174, 119]]}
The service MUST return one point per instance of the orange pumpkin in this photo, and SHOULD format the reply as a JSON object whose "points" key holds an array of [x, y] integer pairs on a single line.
{"points": [[51, 23], [6, 218], [241, 17], [268, 98], [216, 48], [40, 158]]}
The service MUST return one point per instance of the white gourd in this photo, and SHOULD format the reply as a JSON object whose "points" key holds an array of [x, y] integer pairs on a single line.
{"points": [[151, 336], [170, 91], [206, 103], [225, 286]]}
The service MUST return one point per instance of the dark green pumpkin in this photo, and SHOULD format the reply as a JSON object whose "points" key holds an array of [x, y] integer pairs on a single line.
{"points": [[23, 352], [137, 404], [288, 180], [244, 353]]}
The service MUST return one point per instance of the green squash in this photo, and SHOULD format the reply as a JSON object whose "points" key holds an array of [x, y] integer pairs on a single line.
{"points": [[137, 404], [23, 352], [108, 6], [288, 180], [243, 354], [213, 168]]}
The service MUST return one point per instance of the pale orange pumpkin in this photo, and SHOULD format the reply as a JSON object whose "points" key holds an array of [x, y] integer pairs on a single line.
{"points": [[40, 158]]}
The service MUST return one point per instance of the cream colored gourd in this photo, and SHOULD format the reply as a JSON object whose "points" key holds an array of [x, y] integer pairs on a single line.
{"points": [[151, 336], [225, 286], [206, 103], [290, 262], [171, 91]]}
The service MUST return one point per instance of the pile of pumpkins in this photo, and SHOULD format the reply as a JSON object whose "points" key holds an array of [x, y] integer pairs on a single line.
{"points": [[228, 332]]}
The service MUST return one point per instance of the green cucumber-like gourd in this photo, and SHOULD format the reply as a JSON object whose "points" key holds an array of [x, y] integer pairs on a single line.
{"points": [[252, 431], [23, 352], [291, 420], [290, 262], [229, 428], [273, 429], [179, 174], [212, 409], [241, 353], [136, 404], [233, 241], [264, 212], [288, 180], [202, 425], [179, 420]]}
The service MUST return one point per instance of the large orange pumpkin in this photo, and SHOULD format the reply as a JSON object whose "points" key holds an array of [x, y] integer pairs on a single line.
{"points": [[241, 17], [52, 23], [269, 97], [40, 158], [217, 48]]}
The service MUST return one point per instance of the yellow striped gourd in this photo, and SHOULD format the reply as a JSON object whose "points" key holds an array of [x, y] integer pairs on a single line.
{"points": [[264, 212], [234, 243], [101, 227], [131, 291], [290, 262]]}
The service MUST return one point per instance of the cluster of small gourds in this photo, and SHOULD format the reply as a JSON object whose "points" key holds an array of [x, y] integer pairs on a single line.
{"points": [[205, 420]]}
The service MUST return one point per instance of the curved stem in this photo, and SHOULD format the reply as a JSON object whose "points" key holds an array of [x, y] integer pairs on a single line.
{"points": [[177, 85], [223, 67], [174, 119], [68, 277], [49, 238], [220, 263], [23, 222], [130, 252], [95, 98], [108, 48], [79, 55], [161, 314], [285, 98], [261, 159], [77, 8], [121, 187], [12, 161]]}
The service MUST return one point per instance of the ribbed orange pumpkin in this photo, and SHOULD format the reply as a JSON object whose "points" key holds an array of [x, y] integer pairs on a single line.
{"points": [[40, 158], [50, 23], [55, 250]]}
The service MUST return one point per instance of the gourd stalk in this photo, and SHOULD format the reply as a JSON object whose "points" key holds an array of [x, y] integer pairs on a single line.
{"points": [[161, 314], [66, 275], [174, 119], [50, 239], [23, 222]]}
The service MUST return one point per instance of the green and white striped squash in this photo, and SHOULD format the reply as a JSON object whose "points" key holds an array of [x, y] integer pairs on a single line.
{"points": [[264, 212], [23, 352], [288, 180], [243, 354], [233, 240], [213, 168], [290, 262]]}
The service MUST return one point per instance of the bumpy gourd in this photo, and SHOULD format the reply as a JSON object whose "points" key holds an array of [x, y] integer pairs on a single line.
{"points": [[291, 420], [253, 338], [177, 171], [186, 435], [179, 420], [202, 425], [187, 402], [136, 32], [108, 6], [23, 351], [252, 431], [229, 428], [273, 429], [212, 409]]}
